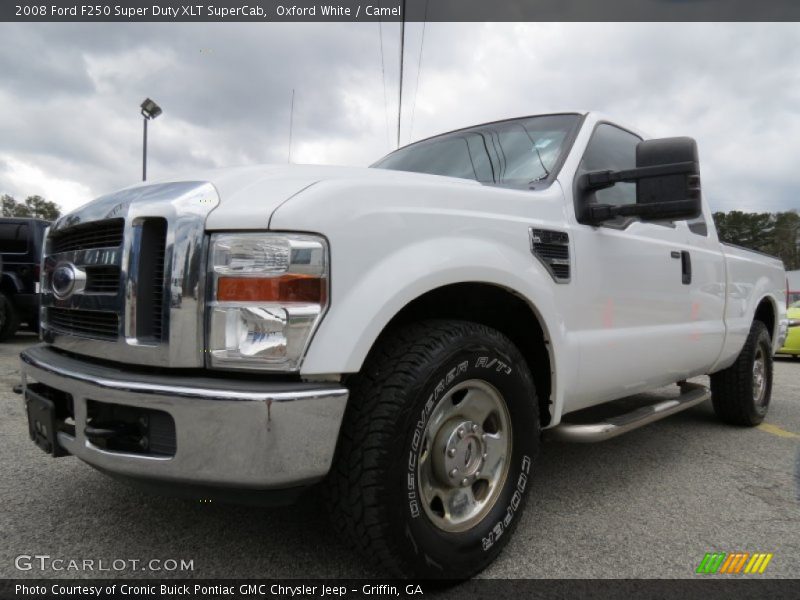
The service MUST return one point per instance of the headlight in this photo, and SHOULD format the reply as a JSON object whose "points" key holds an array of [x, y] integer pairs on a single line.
{"points": [[269, 292]]}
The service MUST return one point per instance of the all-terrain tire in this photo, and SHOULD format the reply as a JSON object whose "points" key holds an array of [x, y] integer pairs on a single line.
{"points": [[374, 487], [9, 318], [737, 397]]}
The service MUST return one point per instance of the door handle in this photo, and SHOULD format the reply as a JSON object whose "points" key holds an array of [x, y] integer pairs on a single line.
{"points": [[686, 267]]}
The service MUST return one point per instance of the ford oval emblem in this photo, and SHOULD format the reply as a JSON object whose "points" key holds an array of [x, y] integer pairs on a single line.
{"points": [[63, 281]]}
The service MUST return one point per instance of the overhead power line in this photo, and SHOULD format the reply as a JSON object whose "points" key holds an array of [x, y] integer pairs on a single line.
{"points": [[419, 70], [383, 76], [402, 56], [291, 123]]}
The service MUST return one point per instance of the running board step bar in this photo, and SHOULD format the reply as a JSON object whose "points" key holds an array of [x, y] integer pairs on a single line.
{"points": [[691, 395]]}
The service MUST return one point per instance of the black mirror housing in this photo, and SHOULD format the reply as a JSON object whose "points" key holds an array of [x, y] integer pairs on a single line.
{"points": [[668, 188], [667, 177]]}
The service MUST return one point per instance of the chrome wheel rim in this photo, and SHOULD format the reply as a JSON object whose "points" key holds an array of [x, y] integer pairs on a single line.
{"points": [[464, 456], [759, 377]]}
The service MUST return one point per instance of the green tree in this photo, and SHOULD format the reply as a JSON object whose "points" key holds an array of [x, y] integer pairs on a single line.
{"points": [[749, 230], [42, 209], [34, 206], [777, 234], [786, 239], [11, 208]]}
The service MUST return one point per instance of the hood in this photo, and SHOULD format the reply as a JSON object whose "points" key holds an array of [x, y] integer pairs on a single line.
{"points": [[249, 195]]}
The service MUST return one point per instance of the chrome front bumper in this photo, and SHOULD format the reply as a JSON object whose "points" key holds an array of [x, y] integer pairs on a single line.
{"points": [[229, 432]]}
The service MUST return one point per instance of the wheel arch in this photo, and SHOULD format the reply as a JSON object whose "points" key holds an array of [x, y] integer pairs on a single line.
{"points": [[10, 283], [766, 312], [498, 307]]}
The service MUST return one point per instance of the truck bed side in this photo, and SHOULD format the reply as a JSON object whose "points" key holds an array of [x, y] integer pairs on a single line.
{"points": [[751, 277]]}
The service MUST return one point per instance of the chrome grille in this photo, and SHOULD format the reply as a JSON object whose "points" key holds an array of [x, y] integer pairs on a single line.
{"points": [[94, 309], [158, 288], [87, 323], [138, 257], [95, 249], [150, 236], [102, 280], [100, 234]]}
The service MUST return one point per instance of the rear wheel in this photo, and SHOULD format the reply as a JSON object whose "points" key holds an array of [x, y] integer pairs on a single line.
{"points": [[436, 450], [9, 319], [741, 393]]}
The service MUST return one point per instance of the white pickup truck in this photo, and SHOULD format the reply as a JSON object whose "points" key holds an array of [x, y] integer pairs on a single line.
{"points": [[401, 335]]}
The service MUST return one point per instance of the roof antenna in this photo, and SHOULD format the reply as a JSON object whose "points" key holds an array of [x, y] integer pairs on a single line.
{"points": [[402, 53], [291, 121]]}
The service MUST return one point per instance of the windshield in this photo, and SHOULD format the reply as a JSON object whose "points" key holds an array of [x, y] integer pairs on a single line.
{"points": [[512, 153]]}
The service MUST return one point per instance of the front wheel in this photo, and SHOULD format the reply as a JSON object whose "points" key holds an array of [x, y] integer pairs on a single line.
{"points": [[436, 450], [741, 393]]}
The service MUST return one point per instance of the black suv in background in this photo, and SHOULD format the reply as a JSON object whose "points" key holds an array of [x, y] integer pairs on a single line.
{"points": [[21, 242]]}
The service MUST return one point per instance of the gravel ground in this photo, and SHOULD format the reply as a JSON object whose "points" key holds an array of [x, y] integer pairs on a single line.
{"points": [[648, 504]]}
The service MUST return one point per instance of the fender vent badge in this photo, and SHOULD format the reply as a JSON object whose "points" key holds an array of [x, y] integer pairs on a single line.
{"points": [[552, 250]]}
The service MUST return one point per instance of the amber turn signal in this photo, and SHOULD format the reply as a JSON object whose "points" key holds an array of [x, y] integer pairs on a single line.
{"points": [[286, 288]]}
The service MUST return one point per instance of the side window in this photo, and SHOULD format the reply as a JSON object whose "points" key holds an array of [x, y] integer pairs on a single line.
{"points": [[13, 238], [611, 148], [698, 225]]}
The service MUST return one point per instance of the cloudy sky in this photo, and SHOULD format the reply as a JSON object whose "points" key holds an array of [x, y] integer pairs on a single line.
{"points": [[69, 95]]}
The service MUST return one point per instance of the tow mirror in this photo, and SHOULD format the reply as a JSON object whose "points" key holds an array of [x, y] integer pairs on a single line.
{"points": [[667, 178]]}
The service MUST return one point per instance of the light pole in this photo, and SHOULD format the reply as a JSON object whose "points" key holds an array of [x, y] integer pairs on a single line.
{"points": [[150, 110]]}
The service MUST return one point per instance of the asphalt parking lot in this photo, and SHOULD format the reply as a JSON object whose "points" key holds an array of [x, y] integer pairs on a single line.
{"points": [[648, 504]]}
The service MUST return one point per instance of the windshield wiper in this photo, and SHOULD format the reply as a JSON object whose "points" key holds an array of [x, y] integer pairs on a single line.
{"points": [[538, 179], [538, 154]]}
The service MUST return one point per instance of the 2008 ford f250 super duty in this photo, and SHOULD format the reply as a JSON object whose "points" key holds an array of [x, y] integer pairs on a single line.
{"points": [[402, 333]]}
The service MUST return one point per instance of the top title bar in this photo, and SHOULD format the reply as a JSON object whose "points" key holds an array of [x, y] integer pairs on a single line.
{"points": [[398, 10]]}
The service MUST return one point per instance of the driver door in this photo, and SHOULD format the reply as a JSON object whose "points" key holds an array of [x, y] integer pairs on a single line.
{"points": [[633, 307]]}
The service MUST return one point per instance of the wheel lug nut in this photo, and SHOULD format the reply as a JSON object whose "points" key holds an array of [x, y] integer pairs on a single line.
{"points": [[460, 432], [477, 474], [453, 473], [465, 482], [475, 428], [451, 452], [483, 437], [485, 455]]}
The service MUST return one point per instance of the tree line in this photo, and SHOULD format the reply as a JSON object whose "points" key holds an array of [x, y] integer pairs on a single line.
{"points": [[33, 206], [777, 234]]}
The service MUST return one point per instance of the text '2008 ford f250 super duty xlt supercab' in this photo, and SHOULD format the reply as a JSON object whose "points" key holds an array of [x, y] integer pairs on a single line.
{"points": [[402, 334]]}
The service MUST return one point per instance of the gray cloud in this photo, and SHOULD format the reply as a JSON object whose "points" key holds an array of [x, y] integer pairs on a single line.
{"points": [[69, 95]]}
